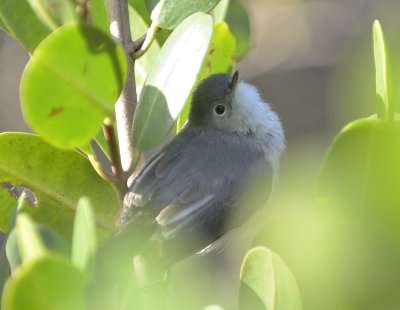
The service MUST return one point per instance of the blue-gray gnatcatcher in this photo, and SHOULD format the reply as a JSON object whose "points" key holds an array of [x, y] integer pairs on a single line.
{"points": [[199, 185]]}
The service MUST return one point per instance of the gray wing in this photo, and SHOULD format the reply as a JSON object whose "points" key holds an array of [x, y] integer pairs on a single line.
{"points": [[188, 189]]}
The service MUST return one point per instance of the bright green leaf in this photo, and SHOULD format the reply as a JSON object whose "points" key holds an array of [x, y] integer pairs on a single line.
{"points": [[51, 240], [143, 64], [58, 178], [99, 15], [267, 283], [219, 59], [239, 23], [55, 13], [7, 206], [24, 24], [30, 244], [68, 89], [5, 268], [4, 27], [84, 235], [48, 283], [170, 80], [168, 14], [383, 74], [362, 170]]}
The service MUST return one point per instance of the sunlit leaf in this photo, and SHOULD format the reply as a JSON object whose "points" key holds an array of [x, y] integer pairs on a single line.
{"points": [[7, 206], [219, 59], [143, 64], [84, 235], [68, 89], [361, 172], [99, 15], [24, 25], [220, 11], [267, 283], [383, 74], [46, 283], [170, 13], [170, 80], [5, 268], [30, 244], [55, 13], [58, 178]]}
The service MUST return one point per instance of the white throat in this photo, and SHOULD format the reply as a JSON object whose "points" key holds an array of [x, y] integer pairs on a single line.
{"points": [[250, 114]]}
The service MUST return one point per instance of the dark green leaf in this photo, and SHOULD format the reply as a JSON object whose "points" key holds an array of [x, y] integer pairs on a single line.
{"points": [[55, 13], [46, 283], [219, 58], [168, 14], [22, 23], [84, 235], [383, 74], [239, 23], [68, 89], [140, 7], [267, 283], [170, 81], [58, 178]]}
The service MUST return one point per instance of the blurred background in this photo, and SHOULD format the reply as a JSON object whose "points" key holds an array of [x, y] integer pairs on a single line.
{"points": [[313, 61]]}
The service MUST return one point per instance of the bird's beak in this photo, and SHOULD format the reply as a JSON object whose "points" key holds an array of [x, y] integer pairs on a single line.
{"points": [[234, 80]]}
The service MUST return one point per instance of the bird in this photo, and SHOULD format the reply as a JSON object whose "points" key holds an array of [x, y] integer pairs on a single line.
{"points": [[214, 176]]}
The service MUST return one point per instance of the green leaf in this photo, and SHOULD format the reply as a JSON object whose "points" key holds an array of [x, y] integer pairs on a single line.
{"points": [[68, 89], [47, 283], [383, 74], [7, 207], [24, 25], [4, 27], [55, 13], [267, 283], [362, 170], [170, 81], [84, 235], [99, 15], [168, 14], [30, 244], [5, 268], [220, 11], [51, 240], [219, 59], [58, 178], [239, 23], [143, 64]]}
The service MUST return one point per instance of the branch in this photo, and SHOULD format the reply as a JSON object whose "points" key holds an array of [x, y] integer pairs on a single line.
{"points": [[116, 165], [126, 104]]}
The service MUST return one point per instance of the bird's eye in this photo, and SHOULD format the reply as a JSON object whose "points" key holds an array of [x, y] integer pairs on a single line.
{"points": [[219, 109]]}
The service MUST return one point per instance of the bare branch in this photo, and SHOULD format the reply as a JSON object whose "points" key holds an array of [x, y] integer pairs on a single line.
{"points": [[126, 104]]}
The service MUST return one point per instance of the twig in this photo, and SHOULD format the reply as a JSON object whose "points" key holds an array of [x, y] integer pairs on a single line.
{"points": [[116, 165], [148, 39], [126, 104]]}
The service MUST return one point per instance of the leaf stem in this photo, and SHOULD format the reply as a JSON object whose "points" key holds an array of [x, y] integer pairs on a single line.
{"points": [[148, 39]]}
